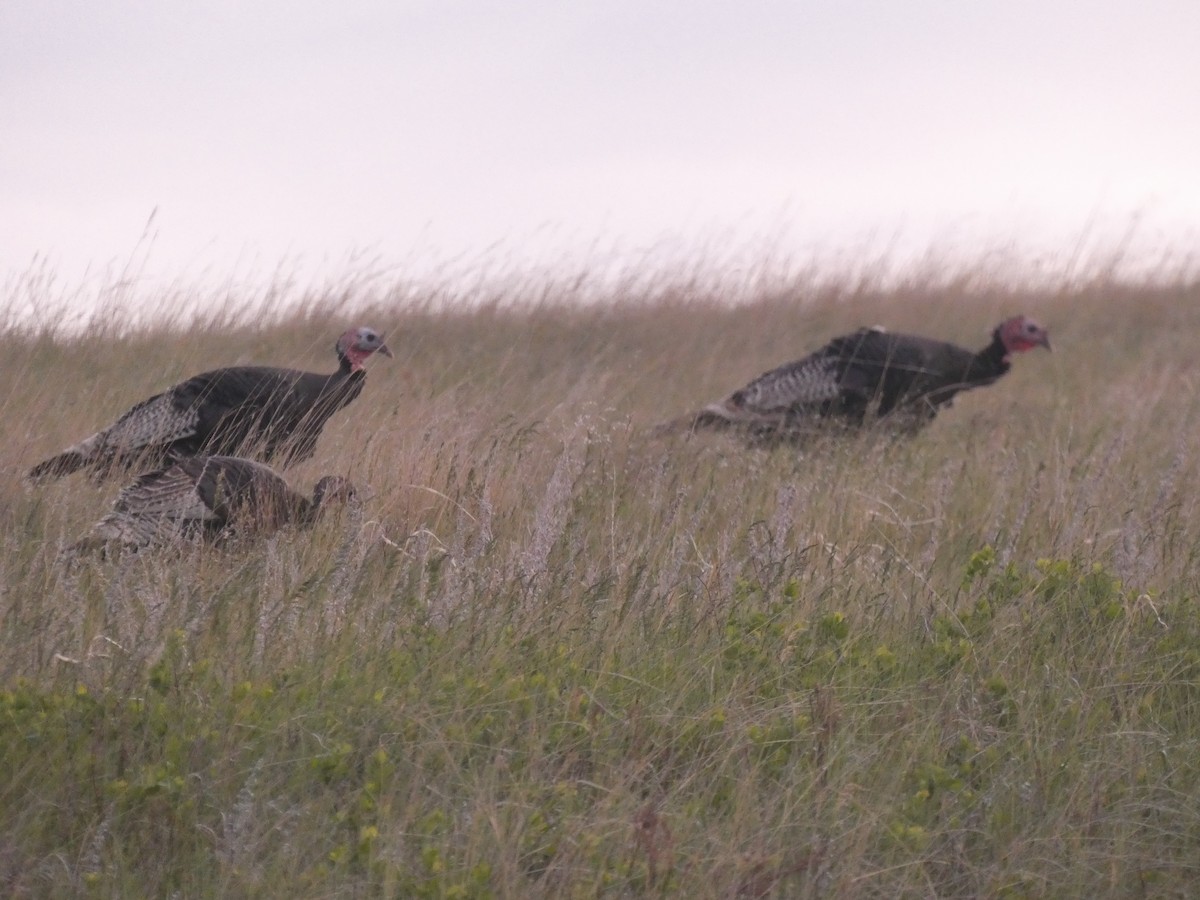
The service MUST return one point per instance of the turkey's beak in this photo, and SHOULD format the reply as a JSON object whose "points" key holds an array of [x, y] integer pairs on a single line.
{"points": [[383, 348], [1045, 342]]}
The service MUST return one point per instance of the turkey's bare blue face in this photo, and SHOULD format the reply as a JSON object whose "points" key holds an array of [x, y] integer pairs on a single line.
{"points": [[359, 343], [1022, 333]]}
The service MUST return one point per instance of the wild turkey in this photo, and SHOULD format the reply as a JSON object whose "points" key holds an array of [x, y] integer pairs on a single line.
{"points": [[865, 376], [210, 496], [254, 410]]}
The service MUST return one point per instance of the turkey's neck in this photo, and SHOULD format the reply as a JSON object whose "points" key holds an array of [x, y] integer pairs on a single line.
{"points": [[347, 373], [314, 509], [351, 361], [307, 511], [992, 361]]}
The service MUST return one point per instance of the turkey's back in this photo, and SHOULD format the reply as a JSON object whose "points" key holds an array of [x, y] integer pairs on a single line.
{"points": [[870, 372], [195, 496], [260, 411], [881, 372]]}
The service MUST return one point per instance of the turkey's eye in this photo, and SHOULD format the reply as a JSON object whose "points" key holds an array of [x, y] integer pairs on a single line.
{"points": [[1030, 328]]}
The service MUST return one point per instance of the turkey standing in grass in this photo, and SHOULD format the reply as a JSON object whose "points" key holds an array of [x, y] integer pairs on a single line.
{"points": [[211, 496], [868, 375], [253, 410]]}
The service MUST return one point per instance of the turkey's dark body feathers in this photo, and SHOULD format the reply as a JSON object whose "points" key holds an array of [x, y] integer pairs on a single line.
{"points": [[273, 411], [201, 495], [259, 411], [868, 375]]}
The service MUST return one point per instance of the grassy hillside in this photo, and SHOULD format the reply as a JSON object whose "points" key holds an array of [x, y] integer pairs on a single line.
{"points": [[556, 657]]}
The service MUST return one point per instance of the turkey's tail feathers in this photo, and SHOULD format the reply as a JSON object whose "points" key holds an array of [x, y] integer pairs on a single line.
{"points": [[82, 455], [57, 466], [100, 457], [723, 416], [108, 548], [759, 428]]}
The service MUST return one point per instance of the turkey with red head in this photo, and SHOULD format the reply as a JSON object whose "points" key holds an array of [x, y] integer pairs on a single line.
{"points": [[869, 375], [210, 496], [252, 410]]}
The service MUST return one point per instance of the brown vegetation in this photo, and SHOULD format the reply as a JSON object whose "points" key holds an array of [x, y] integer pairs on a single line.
{"points": [[555, 656]]}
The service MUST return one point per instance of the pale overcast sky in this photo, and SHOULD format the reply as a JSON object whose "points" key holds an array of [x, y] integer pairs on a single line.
{"points": [[416, 131]]}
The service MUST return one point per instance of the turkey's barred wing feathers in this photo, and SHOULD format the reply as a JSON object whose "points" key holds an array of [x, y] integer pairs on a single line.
{"points": [[172, 493], [812, 380], [206, 493], [153, 422], [823, 376], [148, 426], [130, 531], [255, 410], [156, 508]]}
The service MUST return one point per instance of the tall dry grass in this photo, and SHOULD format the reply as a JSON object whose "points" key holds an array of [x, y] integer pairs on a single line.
{"points": [[555, 656]]}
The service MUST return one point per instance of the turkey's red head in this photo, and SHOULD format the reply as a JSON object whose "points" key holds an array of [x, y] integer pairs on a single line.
{"points": [[1021, 333], [359, 343]]}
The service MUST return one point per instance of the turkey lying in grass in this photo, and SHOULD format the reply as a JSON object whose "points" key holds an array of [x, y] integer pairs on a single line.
{"points": [[246, 410], [867, 376], [212, 497]]}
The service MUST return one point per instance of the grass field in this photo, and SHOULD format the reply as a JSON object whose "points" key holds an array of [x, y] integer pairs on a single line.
{"points": [[554, 656]]}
